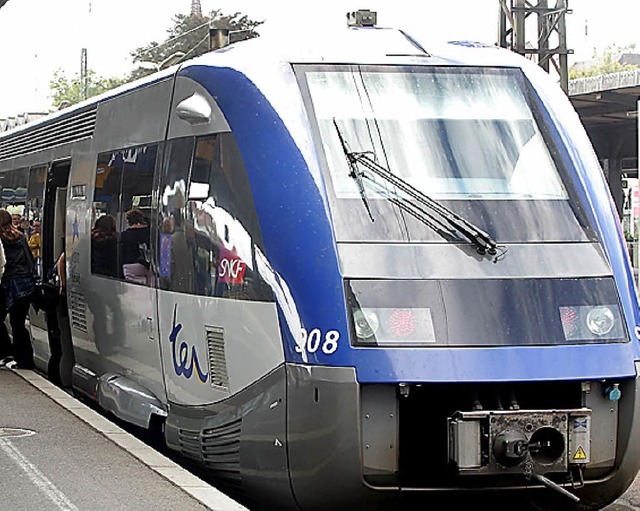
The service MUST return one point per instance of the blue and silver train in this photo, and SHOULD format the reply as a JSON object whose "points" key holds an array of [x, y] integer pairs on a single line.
{"points": [[370, 273]]}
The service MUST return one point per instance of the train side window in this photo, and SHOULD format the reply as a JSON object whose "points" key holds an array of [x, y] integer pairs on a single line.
{"points": [[121, 209], [135, 209], [35, 196], [106, 204], [220, 226], [13, 190], [175, 254]]}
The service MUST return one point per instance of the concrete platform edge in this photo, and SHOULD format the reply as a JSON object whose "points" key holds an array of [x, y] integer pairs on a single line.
{"points": [[183, 479]]}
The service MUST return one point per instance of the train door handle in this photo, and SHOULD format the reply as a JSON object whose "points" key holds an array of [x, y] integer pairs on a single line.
{"points": [[150, 328]]}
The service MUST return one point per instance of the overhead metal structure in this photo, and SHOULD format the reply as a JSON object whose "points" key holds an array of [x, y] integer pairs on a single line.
{"points": [[607, 105], [196, 8], [551, 27], [608, 108], [84, 74]]}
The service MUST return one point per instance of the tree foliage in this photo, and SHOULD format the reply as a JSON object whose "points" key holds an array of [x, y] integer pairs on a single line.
{"points": [[605, 63], [67, 91], [190, 36]]}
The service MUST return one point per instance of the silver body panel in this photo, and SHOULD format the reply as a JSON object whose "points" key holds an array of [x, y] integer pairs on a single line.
{"points": [[249, 345], [121, 333], [136, 118], [115, 324], [128, 401]]}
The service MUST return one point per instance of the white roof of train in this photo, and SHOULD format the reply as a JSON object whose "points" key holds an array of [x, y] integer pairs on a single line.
{"points": [[355, 45]]}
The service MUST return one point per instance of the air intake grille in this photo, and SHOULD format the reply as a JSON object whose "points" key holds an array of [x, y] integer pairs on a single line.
{"points": [[218, 448], [190, 443], [217, 357], [221, 451], [78, 309], [46, 136]]}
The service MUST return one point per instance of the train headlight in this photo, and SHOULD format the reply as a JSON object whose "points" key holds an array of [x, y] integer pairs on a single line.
{"points": [[366, 323], [592, 322], [600, 320]]}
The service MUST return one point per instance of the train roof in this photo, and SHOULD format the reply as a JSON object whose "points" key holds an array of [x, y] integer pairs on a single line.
{"points": [[352, 45], [357, 45]]}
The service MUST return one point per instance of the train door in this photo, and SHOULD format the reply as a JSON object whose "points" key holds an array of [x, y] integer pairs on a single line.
{"points": [[121, 294], [34, 213], [53, 229], [116, 340]]}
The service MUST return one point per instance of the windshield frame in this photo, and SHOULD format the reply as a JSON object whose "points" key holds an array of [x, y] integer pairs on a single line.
{"points": [[393, 225]]}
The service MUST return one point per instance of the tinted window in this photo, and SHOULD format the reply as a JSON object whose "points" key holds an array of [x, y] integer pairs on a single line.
{"points": [[35, 194], [13, 195], [209, 224], [123, 189]]}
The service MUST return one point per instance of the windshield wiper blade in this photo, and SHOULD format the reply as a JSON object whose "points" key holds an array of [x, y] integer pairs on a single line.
{"points": [[354, 171], [427, 218], [484, 243]]}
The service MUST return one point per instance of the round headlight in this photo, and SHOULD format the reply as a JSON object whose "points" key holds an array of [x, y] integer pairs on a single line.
{"points": [[366, 323], [600, 320]]}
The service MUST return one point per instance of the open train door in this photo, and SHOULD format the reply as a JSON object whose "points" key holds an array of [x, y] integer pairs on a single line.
{"points": [[53, 245]]}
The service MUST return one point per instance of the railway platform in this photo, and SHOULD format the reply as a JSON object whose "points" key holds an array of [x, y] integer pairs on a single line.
{"points": [[56, 453]]}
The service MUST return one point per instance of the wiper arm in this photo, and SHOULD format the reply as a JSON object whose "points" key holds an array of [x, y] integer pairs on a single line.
{"points": [[354, 171], [484, 243], [426, 217]]}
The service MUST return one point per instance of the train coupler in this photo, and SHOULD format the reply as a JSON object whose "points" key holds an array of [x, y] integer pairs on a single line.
{"points": [[532, 442]]}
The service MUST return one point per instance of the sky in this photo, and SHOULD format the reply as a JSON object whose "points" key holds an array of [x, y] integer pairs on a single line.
{"points": [[38, 37]]}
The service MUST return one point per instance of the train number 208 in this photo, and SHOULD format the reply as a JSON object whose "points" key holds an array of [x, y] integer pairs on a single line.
{"points": [[313, 340]]}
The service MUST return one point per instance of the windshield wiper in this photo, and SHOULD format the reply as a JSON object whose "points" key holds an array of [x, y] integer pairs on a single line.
{"points": [[354, 171], [484, 243]]}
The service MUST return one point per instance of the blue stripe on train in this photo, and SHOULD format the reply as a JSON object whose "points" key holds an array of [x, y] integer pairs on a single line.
{"points": [[293, 216]]}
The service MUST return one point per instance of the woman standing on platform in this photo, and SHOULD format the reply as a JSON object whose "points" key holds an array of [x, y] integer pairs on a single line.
{"points": [[18, 284]]}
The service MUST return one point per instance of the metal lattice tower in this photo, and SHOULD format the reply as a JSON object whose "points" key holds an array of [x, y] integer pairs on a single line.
{"points": [[84, 75], [196, 8], [552, 29]]}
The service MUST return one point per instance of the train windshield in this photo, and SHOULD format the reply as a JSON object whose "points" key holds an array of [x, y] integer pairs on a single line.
{"points": [[470, 138]]}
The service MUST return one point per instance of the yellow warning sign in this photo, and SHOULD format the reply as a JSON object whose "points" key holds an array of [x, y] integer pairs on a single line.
{"points": [[580, 455]]}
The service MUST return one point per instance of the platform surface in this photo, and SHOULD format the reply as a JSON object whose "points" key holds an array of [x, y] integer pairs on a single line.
{"points": [[56, 453]]}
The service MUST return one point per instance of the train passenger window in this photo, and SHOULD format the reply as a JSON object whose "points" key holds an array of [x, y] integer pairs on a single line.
{"points": [[210, 225], [13, 190], [175, 249], [121, 208], [104, 234], [135, 209], [35, 196]]}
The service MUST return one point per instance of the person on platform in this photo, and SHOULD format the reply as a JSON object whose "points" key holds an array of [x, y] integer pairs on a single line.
{"points": [[18, 284]]}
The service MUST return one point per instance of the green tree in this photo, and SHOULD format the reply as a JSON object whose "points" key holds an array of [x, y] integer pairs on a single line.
{"points": [[190, 36], [67, 91], [605, 63]]}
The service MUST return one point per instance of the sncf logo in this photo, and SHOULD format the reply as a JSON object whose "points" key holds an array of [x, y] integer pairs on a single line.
{"points": [[231, 270], [183, 364]]}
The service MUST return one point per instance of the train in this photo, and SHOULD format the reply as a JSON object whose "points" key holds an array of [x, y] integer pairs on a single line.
{"points": [[355, 272]]}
